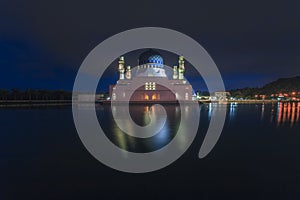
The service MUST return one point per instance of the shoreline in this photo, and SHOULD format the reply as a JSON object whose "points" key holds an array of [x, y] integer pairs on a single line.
{"points": [[44, 103]]}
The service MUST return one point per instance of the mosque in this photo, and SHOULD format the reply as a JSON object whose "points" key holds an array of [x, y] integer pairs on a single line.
{"points": [[154, 78]]}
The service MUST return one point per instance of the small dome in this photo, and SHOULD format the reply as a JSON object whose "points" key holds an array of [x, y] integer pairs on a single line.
{"points": [[151, 57]]}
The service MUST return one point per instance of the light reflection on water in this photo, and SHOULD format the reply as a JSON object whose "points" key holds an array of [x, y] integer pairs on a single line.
{"points": [[279, 114], [288, 113]]}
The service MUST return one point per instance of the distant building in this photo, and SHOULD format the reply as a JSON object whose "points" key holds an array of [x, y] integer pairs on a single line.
{"points": [[220, 96], [150, 72], [85, 97]]}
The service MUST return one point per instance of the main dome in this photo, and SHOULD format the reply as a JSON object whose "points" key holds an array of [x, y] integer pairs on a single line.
{"points": [[151, 57], [150, 65]]}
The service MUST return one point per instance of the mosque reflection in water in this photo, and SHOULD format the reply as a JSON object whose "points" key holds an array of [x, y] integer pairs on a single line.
{"points": [[140, 114]]}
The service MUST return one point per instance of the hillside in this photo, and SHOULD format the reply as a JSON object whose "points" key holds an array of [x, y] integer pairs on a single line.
{"points": [[282, 85]]}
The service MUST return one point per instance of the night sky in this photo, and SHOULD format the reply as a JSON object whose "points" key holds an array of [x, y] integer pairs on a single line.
{"points": [[43, 43]]}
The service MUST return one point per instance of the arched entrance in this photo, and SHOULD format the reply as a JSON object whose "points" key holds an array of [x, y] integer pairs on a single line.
{"points": [[155, 96], [146, 97]]}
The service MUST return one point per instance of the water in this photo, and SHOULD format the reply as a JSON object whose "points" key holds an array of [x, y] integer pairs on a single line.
{"points": [[256, 157]]}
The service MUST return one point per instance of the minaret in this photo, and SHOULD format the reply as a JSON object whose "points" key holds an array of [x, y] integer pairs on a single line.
{"points": [[121, 67], [175, 72], [128, 72], [181, 67]]}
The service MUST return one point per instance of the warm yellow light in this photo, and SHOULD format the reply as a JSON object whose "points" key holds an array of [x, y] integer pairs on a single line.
{"points": [[146, 97]]}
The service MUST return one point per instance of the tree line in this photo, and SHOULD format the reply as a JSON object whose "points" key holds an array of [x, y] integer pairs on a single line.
{"points": [[32, 94]]}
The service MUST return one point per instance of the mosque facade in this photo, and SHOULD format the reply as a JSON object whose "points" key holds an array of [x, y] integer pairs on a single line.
{"points": [[154, 85]]}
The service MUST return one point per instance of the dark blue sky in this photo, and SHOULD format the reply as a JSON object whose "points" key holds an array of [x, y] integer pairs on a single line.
{"points": [[42, 43]]}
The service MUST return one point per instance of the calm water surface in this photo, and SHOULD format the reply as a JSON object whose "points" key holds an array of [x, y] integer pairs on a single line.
{"points": [[256, 157]]}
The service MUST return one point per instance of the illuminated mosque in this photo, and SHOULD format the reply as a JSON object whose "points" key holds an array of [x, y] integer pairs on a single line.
{"points": [[150, 72]]}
